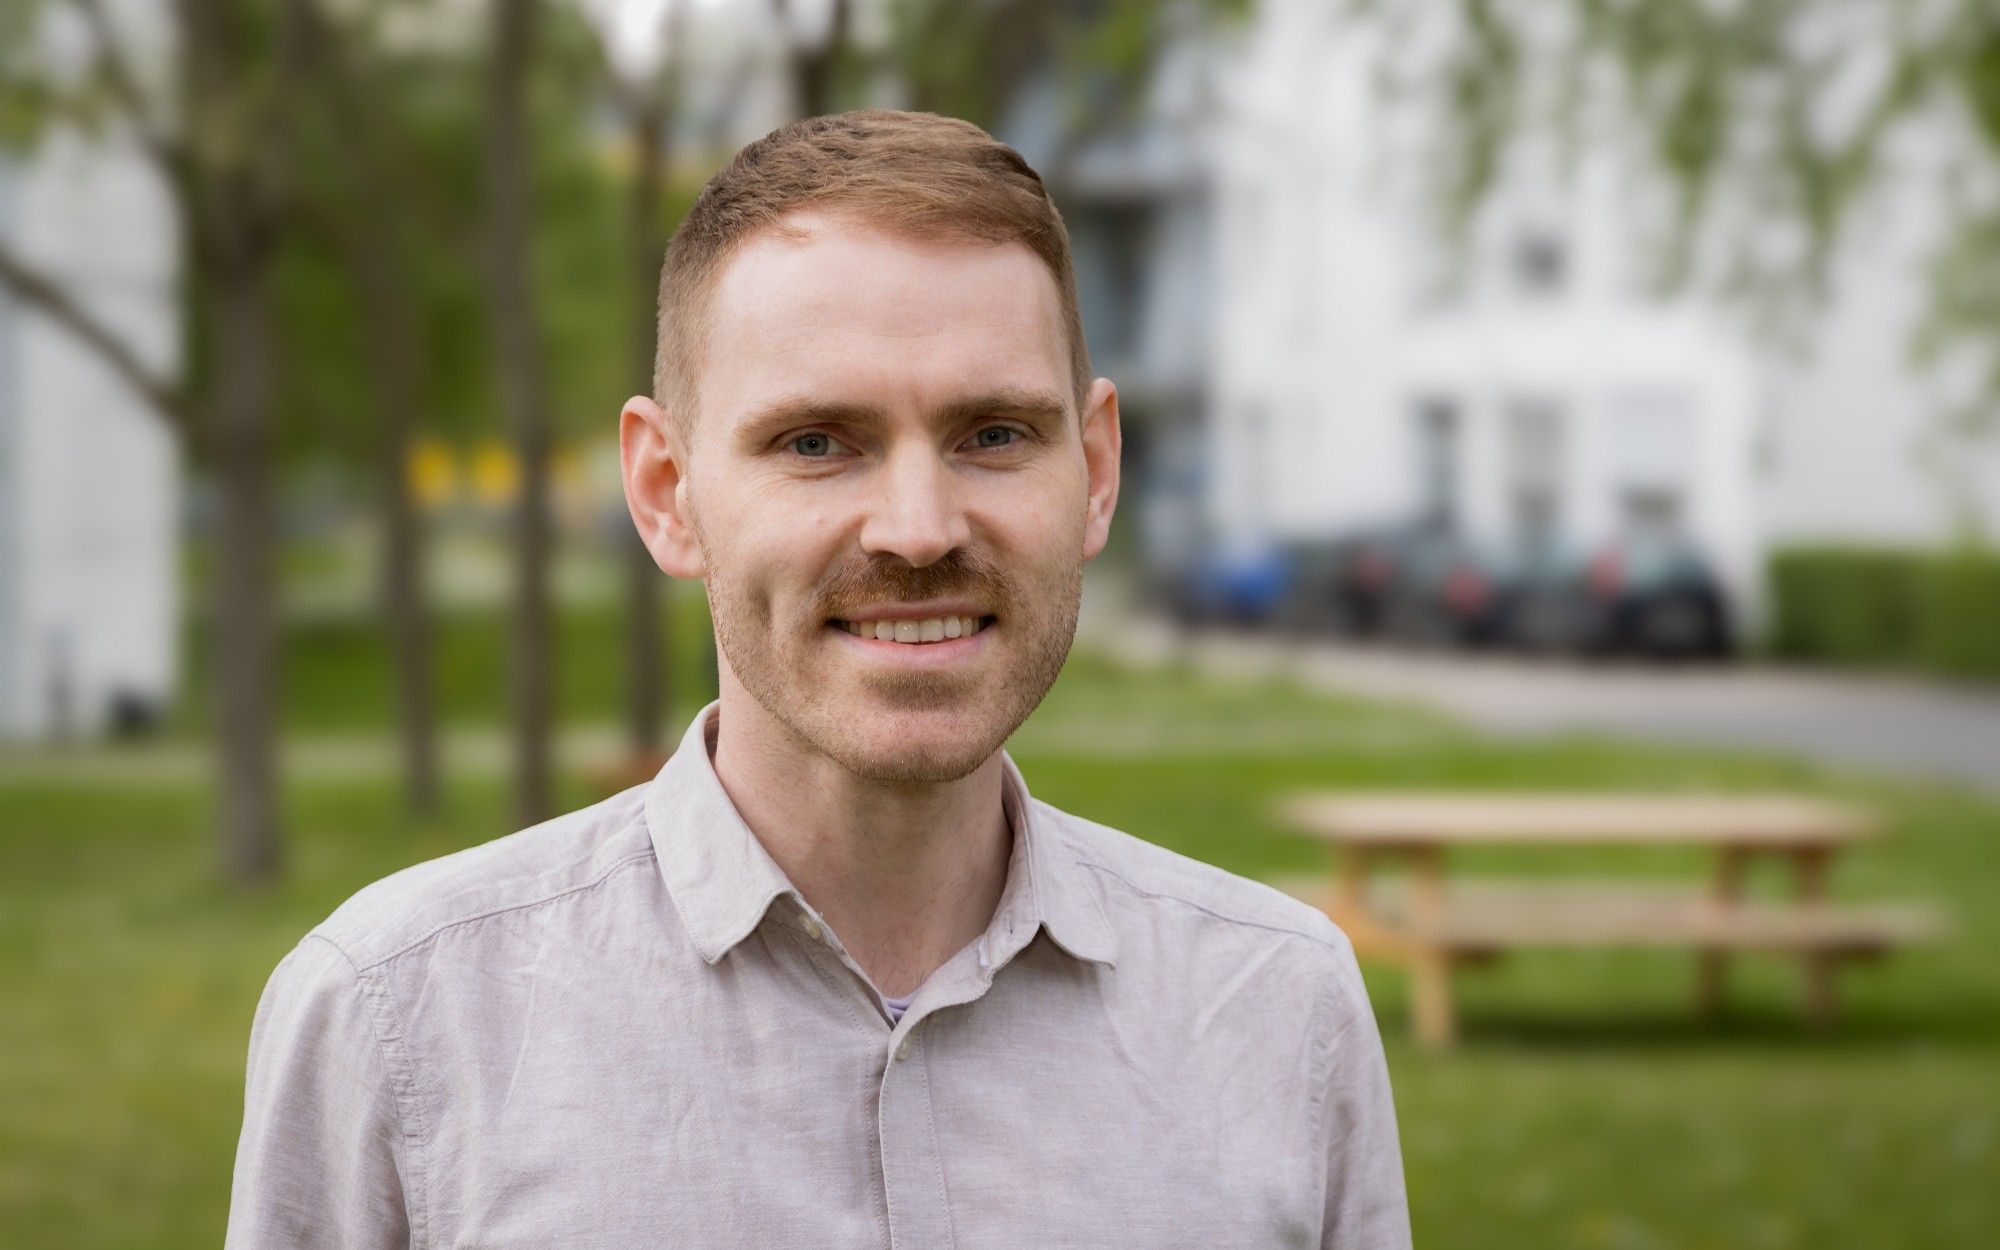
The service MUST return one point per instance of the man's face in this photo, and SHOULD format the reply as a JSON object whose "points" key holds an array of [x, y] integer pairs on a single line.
{"points": [[887, 442]]}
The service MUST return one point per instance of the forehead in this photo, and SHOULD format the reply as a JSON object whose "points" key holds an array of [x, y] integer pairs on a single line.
{"points": [[845, 313]]}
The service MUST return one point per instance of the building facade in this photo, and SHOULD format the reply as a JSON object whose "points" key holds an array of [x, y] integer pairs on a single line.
{"points": [[89, 474], [1533, 390]]}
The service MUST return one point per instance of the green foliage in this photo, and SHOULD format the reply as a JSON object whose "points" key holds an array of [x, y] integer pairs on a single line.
{"points": [[337, 676], [27, 97], [1978, 69], [1768, 124], [429, 110], [971, 58], [1876, 607], [1843, 605], [1482, 91], [583, 257], [422, 112], [1958, 622]]}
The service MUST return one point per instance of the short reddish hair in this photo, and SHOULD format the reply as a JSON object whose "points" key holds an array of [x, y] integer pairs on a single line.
{"points": [[915, 174]]}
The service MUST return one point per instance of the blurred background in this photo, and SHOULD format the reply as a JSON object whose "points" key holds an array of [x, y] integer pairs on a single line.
{"points": [[1541, 397]]}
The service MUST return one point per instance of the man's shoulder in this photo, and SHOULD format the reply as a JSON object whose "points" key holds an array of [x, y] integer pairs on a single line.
{"points": [[1137, 875], [571, 852]]}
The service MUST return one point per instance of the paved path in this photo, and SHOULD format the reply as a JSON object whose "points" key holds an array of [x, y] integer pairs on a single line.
{"points": [[1906, 726]]}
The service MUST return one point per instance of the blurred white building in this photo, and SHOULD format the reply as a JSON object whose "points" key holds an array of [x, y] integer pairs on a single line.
{"points": [[89, 475], [1541, 399], [1545, 397], [1853, 448]]}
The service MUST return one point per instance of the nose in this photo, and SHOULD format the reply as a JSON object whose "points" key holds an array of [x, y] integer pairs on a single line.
{"points": [[916, 512]]}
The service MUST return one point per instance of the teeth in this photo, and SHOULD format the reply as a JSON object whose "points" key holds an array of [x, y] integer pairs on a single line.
{"points": [[935, 629]]}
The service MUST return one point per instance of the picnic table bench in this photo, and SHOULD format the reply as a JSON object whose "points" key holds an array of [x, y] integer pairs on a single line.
{"points": [[1431, 923]]}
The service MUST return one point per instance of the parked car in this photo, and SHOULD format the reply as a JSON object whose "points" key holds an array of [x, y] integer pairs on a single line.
{"points": [[1655, 596], [1414, 581], [1658, 596], [1548, 608], [1443, 589], [1228, 586], [1340, 585], [1313, 603]]}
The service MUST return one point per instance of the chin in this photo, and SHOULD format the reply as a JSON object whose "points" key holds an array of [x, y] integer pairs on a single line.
{"points": [[910, 749]]}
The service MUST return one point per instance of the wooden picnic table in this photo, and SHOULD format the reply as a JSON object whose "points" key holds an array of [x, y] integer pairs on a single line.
{"points": [[1436, 923]]}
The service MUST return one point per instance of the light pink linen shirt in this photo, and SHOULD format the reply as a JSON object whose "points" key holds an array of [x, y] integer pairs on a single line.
{"points": [[625, 1027]]}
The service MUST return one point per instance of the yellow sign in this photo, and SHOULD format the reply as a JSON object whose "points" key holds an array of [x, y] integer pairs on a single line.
{"points": [[496, 475], [432, 473]]}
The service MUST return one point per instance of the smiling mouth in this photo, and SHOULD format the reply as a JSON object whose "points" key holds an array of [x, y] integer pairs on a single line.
{"points": [[917, 633]]}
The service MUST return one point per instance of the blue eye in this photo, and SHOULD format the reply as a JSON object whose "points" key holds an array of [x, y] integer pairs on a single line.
{"points": [[812, 444], [1007, 434]]}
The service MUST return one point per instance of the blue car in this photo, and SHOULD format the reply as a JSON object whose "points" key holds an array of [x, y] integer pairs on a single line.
{"points": [[1244, 587]]}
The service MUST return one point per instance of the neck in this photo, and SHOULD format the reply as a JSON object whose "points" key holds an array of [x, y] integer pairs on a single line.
{"points": [[906, 875]]}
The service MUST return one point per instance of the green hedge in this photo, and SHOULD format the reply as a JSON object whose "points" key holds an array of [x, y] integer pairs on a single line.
{"points": [[1864, 606]]}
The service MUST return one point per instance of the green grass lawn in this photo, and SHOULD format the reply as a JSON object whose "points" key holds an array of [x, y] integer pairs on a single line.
{"points": [[1584, 1107]]}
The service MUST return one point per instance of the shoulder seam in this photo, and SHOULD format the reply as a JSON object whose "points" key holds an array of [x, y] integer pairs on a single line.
{"points": [[1209, 911], [600, 879], [369, 990], [1330, 1000]]}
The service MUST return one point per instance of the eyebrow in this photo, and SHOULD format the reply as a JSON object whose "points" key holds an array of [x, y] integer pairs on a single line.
{"points": [[1007, 402]]}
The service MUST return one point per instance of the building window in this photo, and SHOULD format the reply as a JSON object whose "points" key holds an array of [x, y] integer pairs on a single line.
{"points": [[1535, 456], [1649, 513], [1437, 440], [1111, 244], [1651, 455], [1540, 262]]}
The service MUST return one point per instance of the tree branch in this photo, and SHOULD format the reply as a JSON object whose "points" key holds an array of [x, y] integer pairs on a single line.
{"points": [[170, 156], [39, 291]]}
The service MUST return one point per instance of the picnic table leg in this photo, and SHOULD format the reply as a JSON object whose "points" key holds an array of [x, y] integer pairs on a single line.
{"points": [[1809, 865], [1349, 905], [1350, 894], [1712, 965], [1430, 961]]}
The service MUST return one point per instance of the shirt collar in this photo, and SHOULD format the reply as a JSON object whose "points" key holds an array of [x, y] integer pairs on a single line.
{"points": [[723, 881]]}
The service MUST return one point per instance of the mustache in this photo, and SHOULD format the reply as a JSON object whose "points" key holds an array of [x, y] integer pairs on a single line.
{"points": [[957, 574]]}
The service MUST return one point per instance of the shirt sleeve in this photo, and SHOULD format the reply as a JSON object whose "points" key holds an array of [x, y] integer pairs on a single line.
{"points": [[323, 1158], [1366, 1207]]}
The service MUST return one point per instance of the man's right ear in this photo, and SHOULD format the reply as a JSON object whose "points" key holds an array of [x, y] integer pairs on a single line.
{"points": [[653, 458]]}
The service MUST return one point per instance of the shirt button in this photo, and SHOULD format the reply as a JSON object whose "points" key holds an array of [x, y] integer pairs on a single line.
{"points": [[903, 1047], [812, 928]]}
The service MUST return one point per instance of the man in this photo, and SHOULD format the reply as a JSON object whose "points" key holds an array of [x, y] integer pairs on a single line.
{"points": [[833, 978]]}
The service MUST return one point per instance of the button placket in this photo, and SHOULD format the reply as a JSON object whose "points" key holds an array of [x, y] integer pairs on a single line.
{"points": [[912, 1175]]}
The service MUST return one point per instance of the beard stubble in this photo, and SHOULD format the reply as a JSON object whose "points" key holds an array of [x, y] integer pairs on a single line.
{"points": [[1039, 623]]}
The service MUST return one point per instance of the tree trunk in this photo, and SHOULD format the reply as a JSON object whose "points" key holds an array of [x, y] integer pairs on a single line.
{"points": [[521, 387], [369, 232], [391, 335], [242, 366], [233, 208], [814, 64], [648, 691]]}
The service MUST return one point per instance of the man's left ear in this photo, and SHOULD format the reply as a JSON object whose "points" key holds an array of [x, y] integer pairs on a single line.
{"points": [[1102, 445]]}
